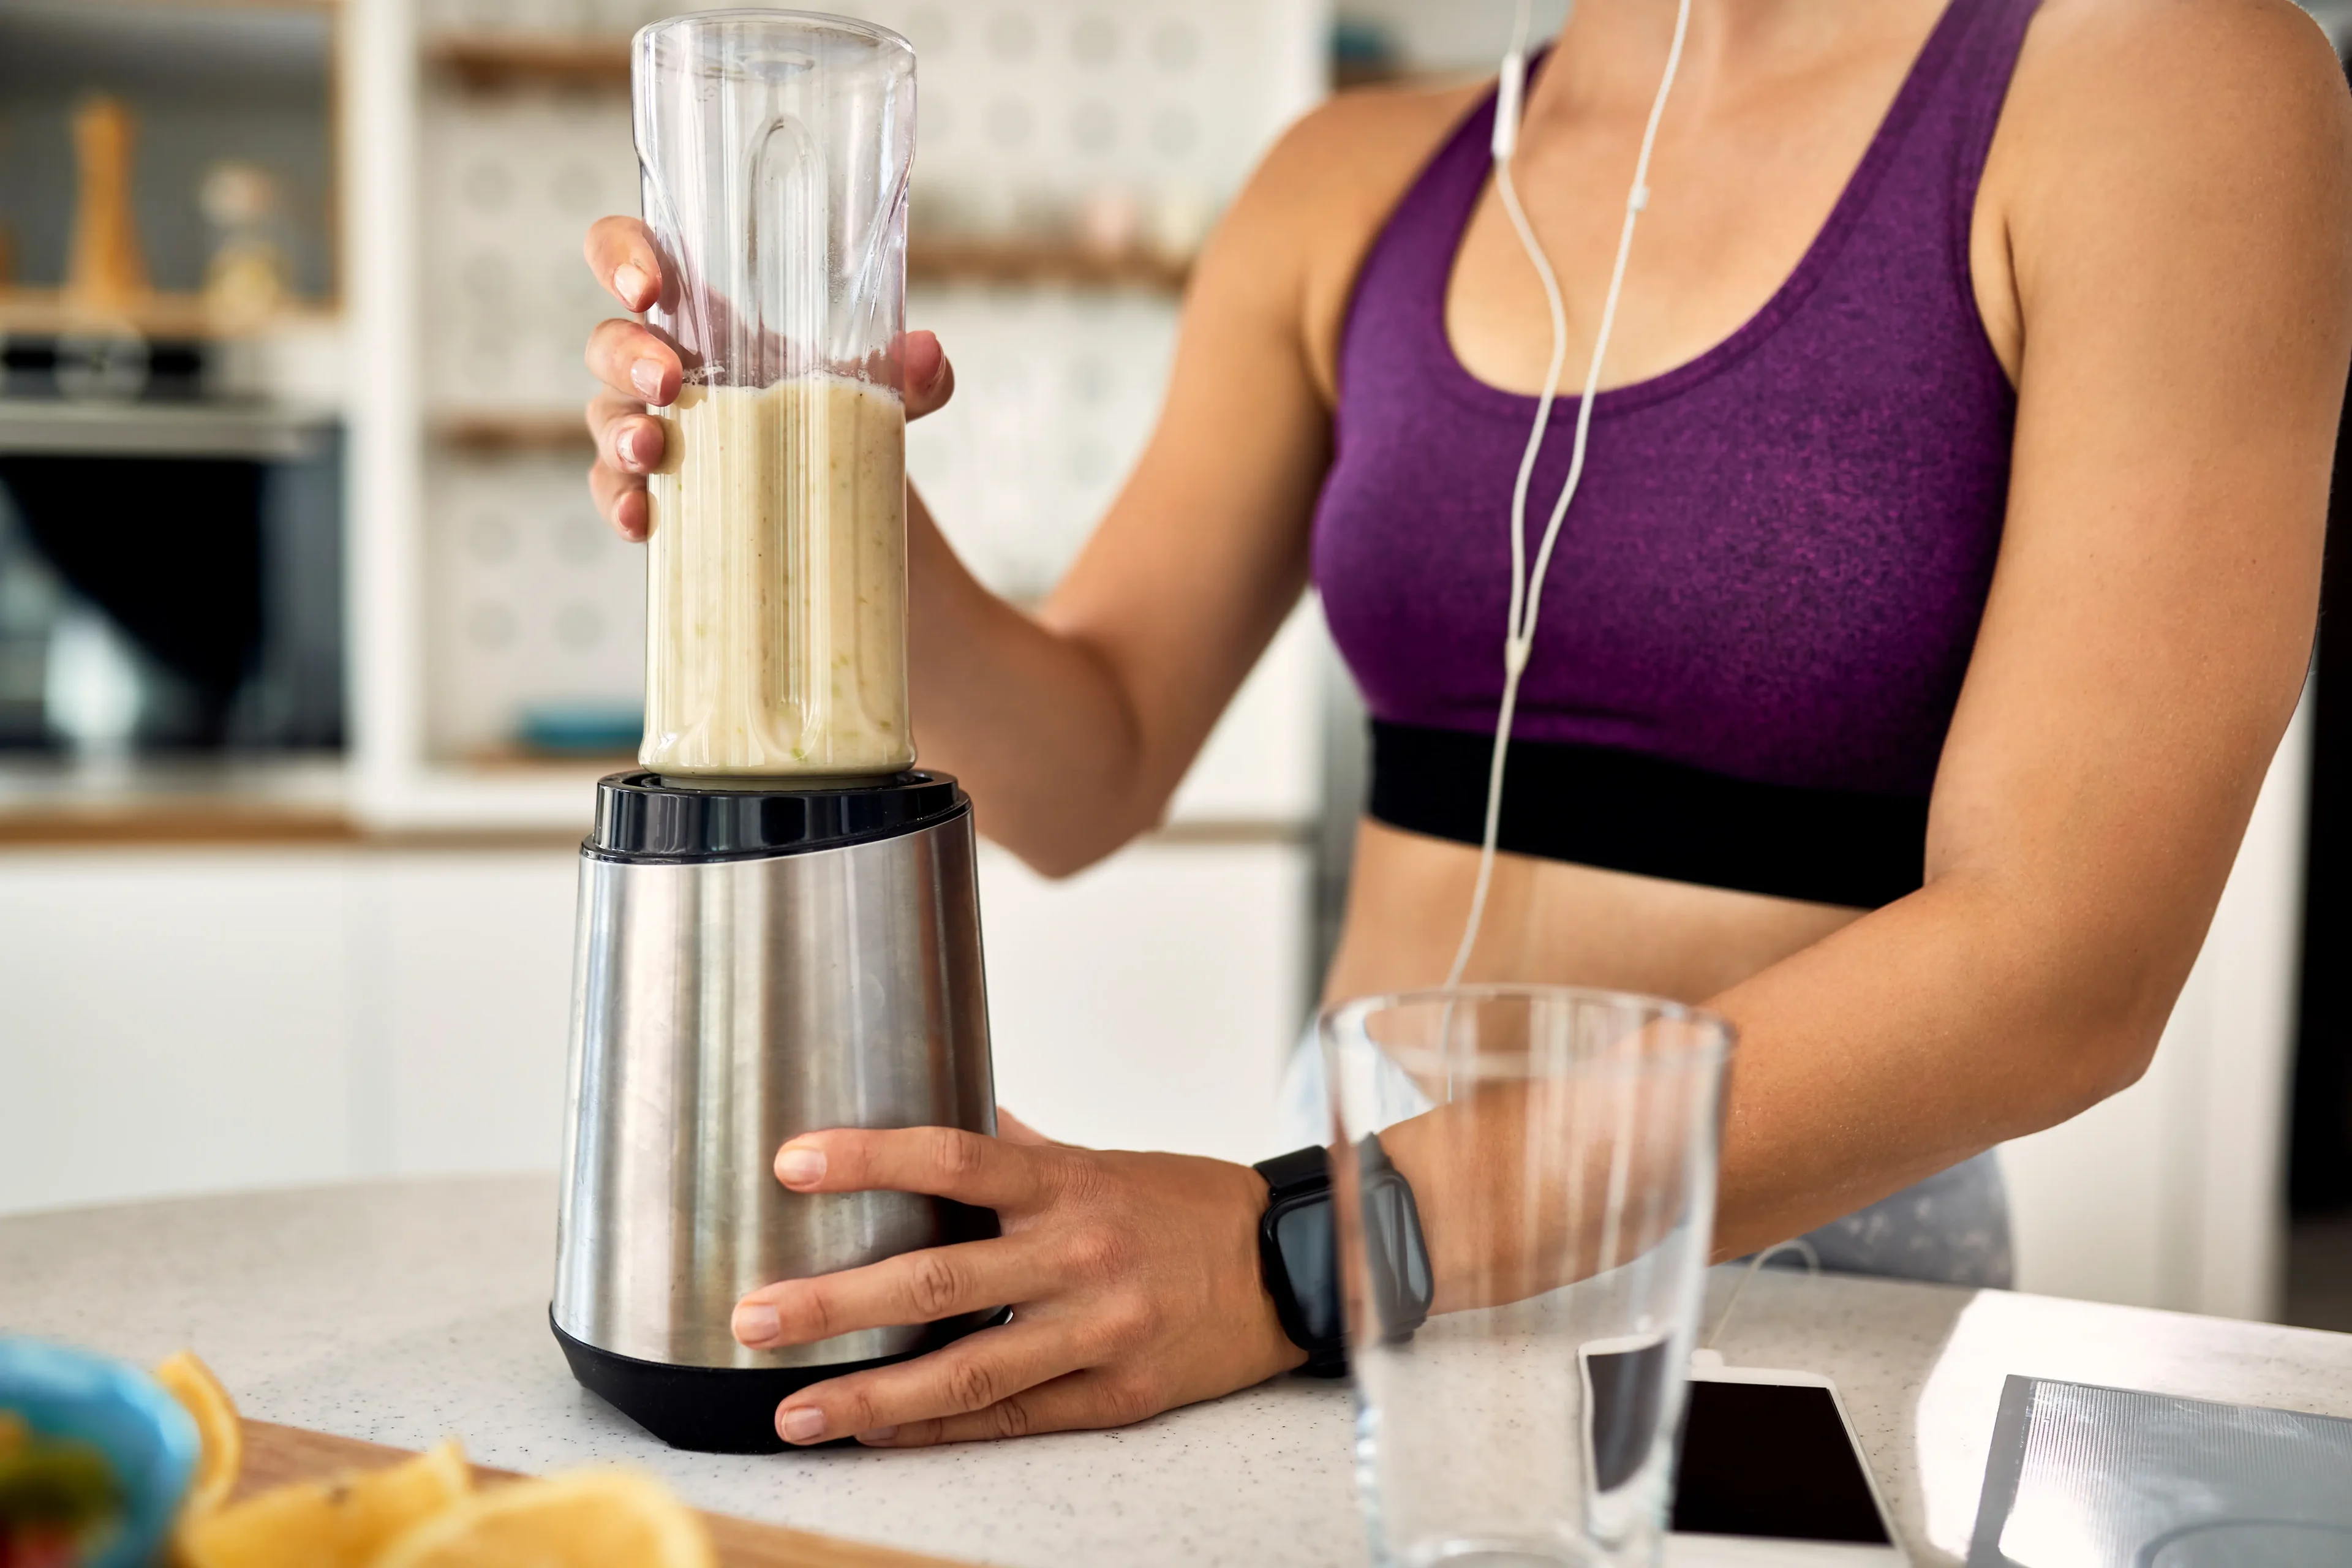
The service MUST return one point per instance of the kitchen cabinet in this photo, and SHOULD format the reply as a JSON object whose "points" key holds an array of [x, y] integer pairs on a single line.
{"points": [[172, 1023], [461, 998], [189, 1020], [1151, 1002]]}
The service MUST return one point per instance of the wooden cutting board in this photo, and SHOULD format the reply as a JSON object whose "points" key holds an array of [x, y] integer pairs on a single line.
{"points": [[275, 1455]]}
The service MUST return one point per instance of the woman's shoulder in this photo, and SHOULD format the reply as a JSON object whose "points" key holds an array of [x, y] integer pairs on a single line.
{"points": [[2159, 134], [1323, 193], [2225, 73], [1373, 136]]}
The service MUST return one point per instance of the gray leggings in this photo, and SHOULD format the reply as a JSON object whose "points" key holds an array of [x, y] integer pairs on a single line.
{"points": [[1950, 1229]]}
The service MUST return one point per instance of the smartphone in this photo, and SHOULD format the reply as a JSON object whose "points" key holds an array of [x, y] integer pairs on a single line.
{"points": [[1769, 1470]]}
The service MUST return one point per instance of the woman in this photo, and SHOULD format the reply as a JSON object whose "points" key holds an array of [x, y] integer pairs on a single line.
{"points": [[1942, 580]]}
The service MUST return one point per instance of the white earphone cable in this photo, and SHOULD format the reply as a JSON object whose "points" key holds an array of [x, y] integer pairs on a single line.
{"points": [[1527, 588]]}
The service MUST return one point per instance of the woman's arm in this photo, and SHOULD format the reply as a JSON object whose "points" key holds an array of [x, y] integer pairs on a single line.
{"points": [[2177, 185], [1072, 727], [2176, 189]]}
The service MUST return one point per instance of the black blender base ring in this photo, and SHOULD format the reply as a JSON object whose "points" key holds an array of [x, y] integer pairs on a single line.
{"points": [[716, 1409]]}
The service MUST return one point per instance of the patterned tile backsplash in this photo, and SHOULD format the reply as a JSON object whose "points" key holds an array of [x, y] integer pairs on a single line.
{"points": [[1031, 115], [531, 600], [534, 600]]}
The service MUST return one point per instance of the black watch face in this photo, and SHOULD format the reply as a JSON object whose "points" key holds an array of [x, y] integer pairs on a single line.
{"points": [[1302, 1231]]}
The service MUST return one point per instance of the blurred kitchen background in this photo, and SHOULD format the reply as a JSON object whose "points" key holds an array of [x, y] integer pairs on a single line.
{"points": [[311, 642]]}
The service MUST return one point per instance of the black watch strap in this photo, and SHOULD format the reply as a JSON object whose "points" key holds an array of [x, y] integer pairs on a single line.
{"points": [[1302, 1171], [1298, 1253], [1396, 1254]]}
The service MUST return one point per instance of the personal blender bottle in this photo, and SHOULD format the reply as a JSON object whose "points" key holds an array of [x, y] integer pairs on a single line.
{"points": [[779, 917]]}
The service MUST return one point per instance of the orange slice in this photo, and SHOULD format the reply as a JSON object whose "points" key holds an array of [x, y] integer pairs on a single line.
{"points": [[341, 1523], [600, 1519], [191, 1383]]}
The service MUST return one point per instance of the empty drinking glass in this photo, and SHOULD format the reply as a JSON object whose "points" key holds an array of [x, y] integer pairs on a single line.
{"points": [[1524, 1181]]}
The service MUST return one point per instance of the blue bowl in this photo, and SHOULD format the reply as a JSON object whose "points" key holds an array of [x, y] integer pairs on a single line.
{"points": [[127, 1415], [581, 729]]}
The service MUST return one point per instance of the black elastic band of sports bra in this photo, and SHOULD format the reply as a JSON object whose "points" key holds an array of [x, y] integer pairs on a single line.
{"points": [[1623, 811]]}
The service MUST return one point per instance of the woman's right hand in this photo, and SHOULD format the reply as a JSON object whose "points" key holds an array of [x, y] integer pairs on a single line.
{"points": [[640, 369]]}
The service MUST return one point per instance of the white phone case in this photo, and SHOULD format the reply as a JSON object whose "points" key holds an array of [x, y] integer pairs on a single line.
{"points": [[1750, 1552]]}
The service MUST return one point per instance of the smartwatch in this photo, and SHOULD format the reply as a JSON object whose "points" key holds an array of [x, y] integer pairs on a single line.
{"points": [[1297, 1251]]}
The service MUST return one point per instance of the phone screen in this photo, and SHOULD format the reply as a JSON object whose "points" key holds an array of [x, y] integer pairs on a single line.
{"points": [[1772, 1459]]}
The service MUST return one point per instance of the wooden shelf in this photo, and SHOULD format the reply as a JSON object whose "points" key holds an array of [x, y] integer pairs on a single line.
{"points": [[495, 60], [190, 823], [961, 260], [51, 312], [495, 432], [53, 803], [484, 60], [328, 6], [519, 761]]}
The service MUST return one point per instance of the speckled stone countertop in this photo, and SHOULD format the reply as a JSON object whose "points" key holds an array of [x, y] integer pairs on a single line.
{"points": [[405, 1312]]}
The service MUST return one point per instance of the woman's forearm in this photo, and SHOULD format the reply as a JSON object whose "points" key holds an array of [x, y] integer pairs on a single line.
{"points": [[1926, 1032], [1900, 1046], [1032, 722]]}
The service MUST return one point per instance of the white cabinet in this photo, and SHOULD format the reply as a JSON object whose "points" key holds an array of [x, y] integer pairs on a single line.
{"points": [[1149, 1002], [169, 1022], [460, 1008], [184, 1021], [178, 1021]]}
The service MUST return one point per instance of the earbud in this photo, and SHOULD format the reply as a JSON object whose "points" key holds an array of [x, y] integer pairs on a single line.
{"points": [[1527, 588], [1510, 97]]}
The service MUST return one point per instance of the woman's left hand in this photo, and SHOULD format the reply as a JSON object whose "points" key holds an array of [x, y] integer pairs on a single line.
{"points": [[1133, 1280]]}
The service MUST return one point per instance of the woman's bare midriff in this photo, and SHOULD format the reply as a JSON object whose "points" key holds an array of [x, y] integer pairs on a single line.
{"points": [[1554, 923]]}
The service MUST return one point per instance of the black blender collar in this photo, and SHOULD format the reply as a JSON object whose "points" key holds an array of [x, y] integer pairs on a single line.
{"points": [[649, 816]]}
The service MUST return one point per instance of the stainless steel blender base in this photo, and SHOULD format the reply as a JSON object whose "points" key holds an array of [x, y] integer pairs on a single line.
{"points": [[754, 964], [720, 1409]]}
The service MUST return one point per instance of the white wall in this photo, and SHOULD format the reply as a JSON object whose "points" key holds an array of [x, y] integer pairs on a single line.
{"points": [[1451, 34]]}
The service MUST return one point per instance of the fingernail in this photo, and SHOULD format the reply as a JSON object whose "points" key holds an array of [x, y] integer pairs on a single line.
{"points": [[880, 1435], [756, 1324], [630, 283], [939, 372], [798, 1167], [635, 447], [800, 1425], [646, 377]]}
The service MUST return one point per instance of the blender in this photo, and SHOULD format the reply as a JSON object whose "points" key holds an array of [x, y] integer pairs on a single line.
{"points": [[779, 915]]}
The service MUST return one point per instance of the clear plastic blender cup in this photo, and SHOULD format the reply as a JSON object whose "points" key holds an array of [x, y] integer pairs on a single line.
{"points": [[775, 147]]}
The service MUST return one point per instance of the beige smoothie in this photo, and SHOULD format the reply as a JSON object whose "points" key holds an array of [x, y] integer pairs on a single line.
{"points": [[776, 584]]}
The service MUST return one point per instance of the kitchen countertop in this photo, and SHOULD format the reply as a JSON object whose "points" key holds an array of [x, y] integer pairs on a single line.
{"points": [[305, 802], [405, 1312]]}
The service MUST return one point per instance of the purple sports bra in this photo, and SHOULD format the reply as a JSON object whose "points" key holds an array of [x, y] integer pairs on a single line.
{"points": [[1766, 593]]}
